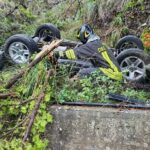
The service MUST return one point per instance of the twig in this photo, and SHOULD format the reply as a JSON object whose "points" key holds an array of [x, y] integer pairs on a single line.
{"points": [[9, 131], [55, 4], [70, 5], [5, 96], [78, 9], [40, 98], [37, 105], [19, 104], [21, 3], [11, 11], [26, 101]]}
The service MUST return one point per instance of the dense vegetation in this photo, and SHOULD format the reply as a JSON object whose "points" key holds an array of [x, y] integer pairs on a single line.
{"points": [[20, 16], [124, 17]]}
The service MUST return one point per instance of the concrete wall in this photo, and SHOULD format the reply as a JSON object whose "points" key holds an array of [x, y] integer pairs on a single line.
{"points": [[95, 128]]}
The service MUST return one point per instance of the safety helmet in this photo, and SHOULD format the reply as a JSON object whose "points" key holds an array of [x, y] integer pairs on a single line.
{"points": [[85, 33]]}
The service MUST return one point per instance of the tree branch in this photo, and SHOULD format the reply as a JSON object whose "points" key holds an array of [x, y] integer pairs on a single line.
{"points": [[5, 96], [33, 115], [11, 11], [37, 106]]}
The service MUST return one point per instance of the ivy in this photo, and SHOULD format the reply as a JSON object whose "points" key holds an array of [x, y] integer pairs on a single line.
{"points": [[15, 112], [94, 88]]}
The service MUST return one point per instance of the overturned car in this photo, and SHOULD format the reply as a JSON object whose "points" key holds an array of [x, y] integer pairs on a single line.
{"points": [[128, 51]]}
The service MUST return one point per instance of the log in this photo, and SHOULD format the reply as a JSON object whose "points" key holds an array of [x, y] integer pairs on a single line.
{"points": [[45, 51]]}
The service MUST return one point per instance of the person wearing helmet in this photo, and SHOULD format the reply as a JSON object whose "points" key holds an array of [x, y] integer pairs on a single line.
{"points": [[93, 50]]}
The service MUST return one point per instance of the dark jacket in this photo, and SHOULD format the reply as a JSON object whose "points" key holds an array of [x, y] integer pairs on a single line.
{"points": [[89, 51], [99, 55]]}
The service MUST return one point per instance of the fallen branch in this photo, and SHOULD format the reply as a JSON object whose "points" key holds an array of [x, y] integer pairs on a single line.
{"points": [[12, 11], [40, 98], [45, 51], [7, 95], [11, 130], [37, 106]]}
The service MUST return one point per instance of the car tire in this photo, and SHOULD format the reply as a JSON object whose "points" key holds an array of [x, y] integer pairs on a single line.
{"points": [[133, 63], [47, 32], [129, 41], [19, 45]]}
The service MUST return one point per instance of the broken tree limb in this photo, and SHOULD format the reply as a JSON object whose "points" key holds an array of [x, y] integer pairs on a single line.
{"points": [[37, 106], [45, 51], [7, 95], [40, 98]]}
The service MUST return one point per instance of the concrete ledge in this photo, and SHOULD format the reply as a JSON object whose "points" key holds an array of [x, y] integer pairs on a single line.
{"points": [[97, 128]]}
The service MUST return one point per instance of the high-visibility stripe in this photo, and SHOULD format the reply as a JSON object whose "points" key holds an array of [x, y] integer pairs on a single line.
{"points": [[113, 75], [101, 49], [70, 54], [112, 72], [107, 58], [86, 34]]}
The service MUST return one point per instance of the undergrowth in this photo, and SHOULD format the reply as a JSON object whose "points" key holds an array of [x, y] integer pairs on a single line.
{"points": [[93, 88], [15, 113]]}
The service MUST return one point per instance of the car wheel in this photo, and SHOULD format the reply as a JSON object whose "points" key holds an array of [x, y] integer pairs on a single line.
{"points": [[133, 63], [18, 48], [47, 32], [127, 42]]}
